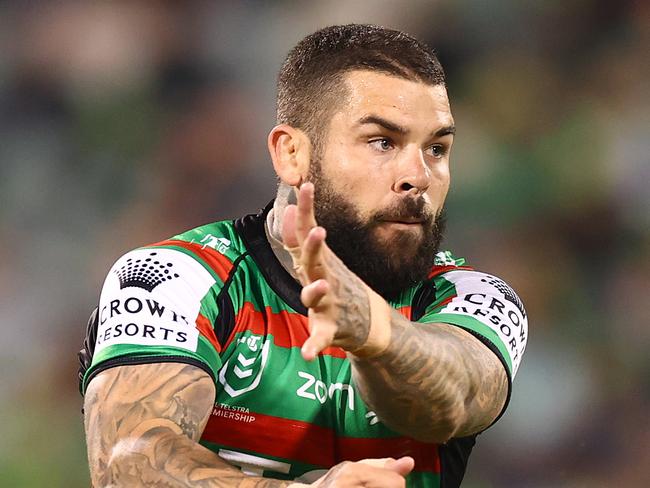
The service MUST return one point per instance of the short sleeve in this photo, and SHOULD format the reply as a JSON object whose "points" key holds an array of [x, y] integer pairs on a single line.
{"points": [[485, 306], [155, 307]]}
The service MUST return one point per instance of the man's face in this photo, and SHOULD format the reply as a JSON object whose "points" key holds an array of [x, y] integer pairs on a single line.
{"points": [[381, 177]]}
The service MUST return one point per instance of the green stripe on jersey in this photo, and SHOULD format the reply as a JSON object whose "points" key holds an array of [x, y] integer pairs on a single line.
{"points": [[423, 480], [321, 391], [209, 307], [205, 354], [474, 325], [248, 287], [220, 236], [447, 289]]}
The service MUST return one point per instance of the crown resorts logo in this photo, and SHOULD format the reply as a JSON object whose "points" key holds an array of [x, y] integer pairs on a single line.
{"points": [[145, 273], [508, 293]]}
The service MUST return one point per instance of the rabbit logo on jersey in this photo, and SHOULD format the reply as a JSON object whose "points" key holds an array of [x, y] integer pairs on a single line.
{"points": [[242, 372]]}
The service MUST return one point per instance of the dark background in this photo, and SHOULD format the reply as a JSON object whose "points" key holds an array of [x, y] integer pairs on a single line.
{"points": [[126, 122]]}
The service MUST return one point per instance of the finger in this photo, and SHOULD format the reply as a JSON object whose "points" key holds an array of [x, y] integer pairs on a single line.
{"points": [[402, 466], [306, 219], [289, 236], [319, 338], [378, 462], [377, 477], [384, 479], [312, 294], [311, 256], [368, 473]]}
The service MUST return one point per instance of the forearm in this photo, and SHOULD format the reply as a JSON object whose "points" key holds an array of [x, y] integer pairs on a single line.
{"points": [[428, 381], [161, 457], [143, 424], [418, 385]]}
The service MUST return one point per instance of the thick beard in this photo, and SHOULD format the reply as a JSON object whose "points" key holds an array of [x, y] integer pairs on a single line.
{"points": [[388, 267]]}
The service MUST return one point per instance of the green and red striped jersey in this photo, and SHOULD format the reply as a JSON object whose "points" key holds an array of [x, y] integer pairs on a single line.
{"points": [[217, 297]]}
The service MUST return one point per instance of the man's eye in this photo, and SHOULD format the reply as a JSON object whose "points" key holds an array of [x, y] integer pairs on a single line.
{"points": [[437, 150], [382, 144]]}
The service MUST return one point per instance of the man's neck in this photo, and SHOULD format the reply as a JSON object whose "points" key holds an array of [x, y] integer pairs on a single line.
{"points": [[273, 227]]}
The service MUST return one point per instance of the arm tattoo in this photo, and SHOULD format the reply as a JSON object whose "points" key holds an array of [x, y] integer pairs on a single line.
{"points": [[353, 318], [433, 382], [142, 426]]}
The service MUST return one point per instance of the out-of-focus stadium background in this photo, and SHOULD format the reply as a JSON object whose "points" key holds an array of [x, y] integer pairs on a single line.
{"points": [[125, 122]]}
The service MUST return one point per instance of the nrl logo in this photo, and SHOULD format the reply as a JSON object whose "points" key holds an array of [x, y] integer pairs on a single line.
{"points": [[243, 372]]}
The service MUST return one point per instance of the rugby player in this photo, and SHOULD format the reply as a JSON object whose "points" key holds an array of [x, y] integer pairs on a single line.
{"points": [[325, 340]]}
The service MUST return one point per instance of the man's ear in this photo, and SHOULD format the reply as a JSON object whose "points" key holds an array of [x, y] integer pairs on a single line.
{"points": [[290, 151]]}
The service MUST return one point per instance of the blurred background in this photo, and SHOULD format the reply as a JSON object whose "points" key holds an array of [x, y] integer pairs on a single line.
{"points": [[126, 122]]}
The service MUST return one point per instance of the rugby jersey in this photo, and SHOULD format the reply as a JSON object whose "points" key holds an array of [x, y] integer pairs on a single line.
{"points": [[217, 297]]}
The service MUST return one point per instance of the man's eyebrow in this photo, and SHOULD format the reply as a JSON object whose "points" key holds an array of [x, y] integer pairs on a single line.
{"points": [[444, 131], [386, 124], [393, 127]]}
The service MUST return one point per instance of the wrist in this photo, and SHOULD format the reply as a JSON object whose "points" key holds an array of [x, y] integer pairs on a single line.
{"points": [[379, 332]]}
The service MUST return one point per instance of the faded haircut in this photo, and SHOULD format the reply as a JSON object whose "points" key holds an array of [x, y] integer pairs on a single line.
{"points": [[310, 83]]}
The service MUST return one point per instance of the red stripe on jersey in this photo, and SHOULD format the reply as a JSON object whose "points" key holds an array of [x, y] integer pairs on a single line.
{"points": [[217, 262], [309, 443], [205, 328], [438, 270], [356, 448], [273, 436], [405, 311], [446, 301], [288, 329]]}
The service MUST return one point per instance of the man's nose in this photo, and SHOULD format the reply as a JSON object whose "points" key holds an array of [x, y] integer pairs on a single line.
{"points": [[413, 175]]}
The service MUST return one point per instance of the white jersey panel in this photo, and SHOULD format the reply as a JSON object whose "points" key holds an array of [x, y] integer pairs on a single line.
{"points": [[494, 303], [152, 297]]}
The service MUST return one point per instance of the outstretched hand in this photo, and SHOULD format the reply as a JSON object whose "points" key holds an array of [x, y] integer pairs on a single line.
{"points": [[376, 473], [339, 302]]}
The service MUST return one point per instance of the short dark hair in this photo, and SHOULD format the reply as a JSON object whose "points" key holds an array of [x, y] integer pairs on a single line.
{"points": [[310, 81]]}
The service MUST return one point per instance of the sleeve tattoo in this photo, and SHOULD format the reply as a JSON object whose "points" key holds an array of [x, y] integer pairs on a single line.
{"points": [[143, 424], [433, 382]]}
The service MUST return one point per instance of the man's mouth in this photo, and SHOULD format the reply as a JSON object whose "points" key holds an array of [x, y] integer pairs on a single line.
{"points": [[404, 220], [403, 224]]}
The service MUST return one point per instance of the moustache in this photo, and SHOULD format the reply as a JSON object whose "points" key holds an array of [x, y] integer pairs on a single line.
{"points": [[406, 210]]}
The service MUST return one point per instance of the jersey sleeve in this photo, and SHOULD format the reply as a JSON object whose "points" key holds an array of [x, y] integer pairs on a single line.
{"points": [[485, 306], [158, 304]]}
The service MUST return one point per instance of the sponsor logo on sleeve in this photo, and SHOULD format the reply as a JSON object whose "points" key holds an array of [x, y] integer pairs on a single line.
{"points": [[491, 301], [132, 319], [146, 272], [507, 292], [152, 298]]}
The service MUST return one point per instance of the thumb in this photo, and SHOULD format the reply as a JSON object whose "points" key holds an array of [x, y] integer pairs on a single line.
{"points": [[402, 466], [319, 338]]}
